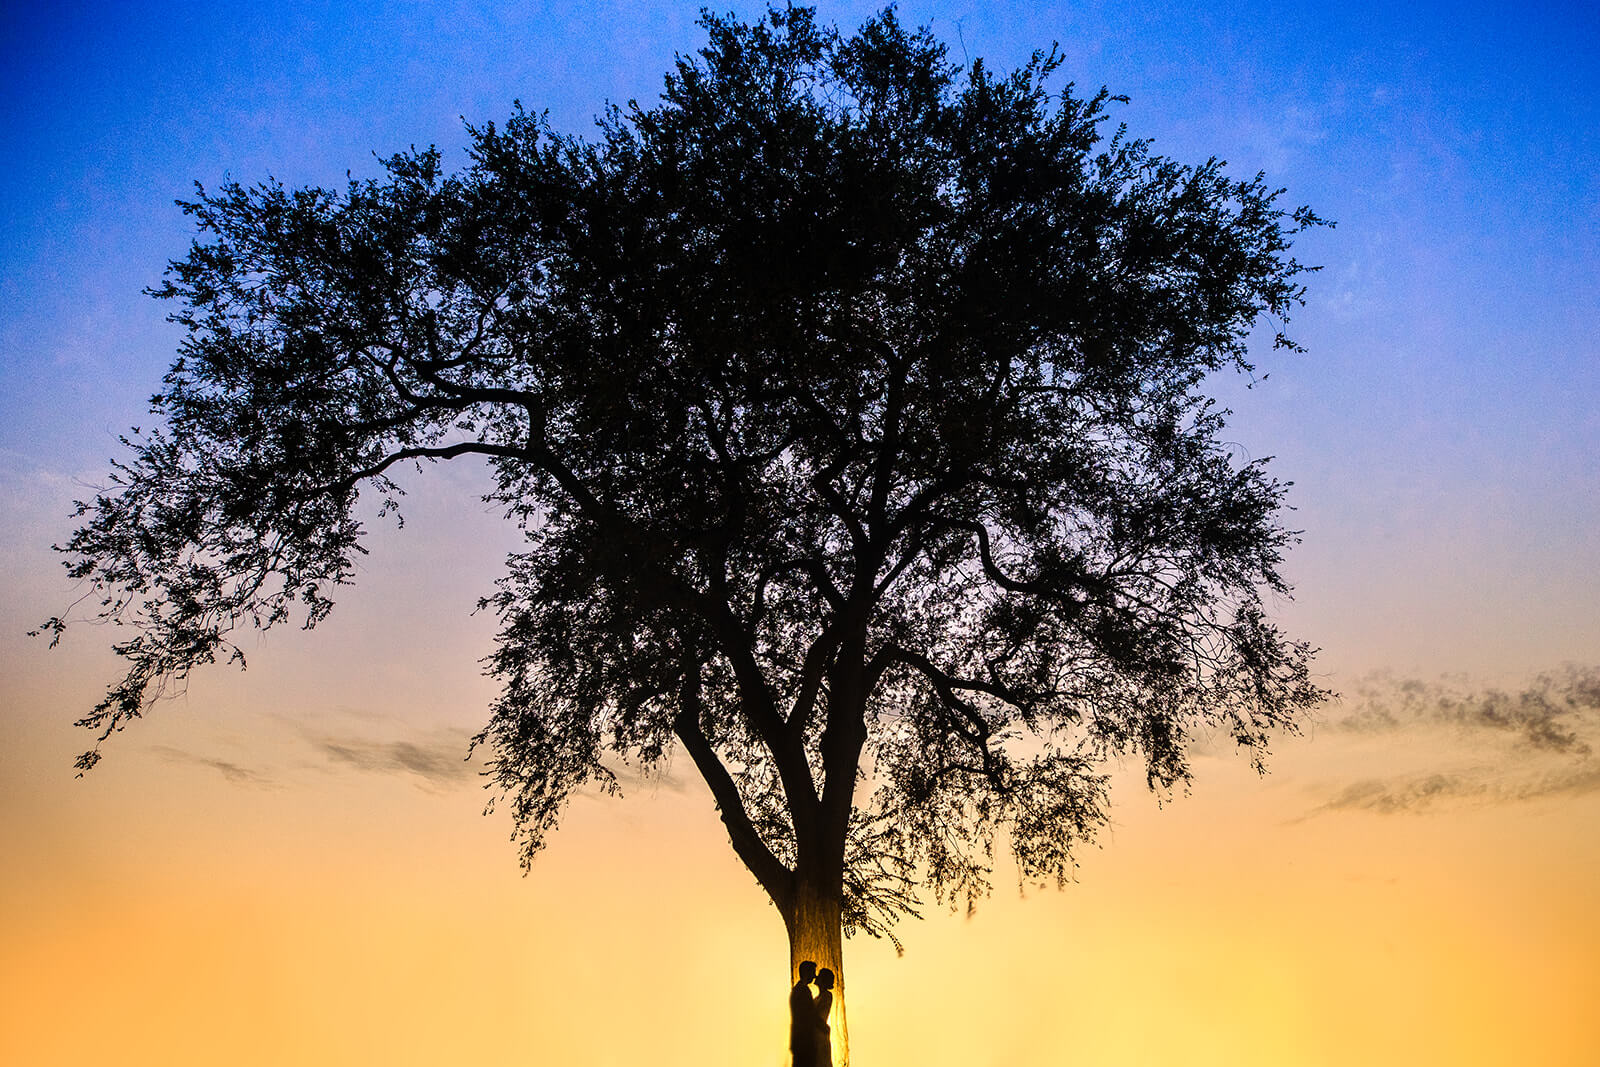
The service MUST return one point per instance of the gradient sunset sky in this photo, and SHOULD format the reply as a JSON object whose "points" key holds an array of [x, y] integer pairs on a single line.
{"points": [[291, 865]]}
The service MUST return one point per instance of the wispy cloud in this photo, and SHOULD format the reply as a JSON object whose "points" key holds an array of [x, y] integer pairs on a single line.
{"points": [[233, 772], [1430, 792], [1392, 797], [1558, 712], [438, 760], [1486, 746]]}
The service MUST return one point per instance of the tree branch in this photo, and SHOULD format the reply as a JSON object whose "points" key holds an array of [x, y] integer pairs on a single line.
{"points": [[897, 653], [812, 671], [977, 731], [774, 877], [756, 699], [1005, 581], [448, 452]]}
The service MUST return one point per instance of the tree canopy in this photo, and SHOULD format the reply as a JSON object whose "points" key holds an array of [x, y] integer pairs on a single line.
{"points": [[852, 404]]}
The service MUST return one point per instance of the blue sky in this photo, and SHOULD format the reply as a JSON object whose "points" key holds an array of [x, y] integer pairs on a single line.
{"points": [[1442, 432]]}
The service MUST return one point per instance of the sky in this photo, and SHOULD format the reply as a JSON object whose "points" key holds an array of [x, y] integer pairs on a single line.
{"points": [[292, 864]]}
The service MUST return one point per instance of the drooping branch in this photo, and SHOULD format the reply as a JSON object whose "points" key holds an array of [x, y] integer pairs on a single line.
{"points": [[949, 684], [970, 724], [774, 877], [1045, 589]]}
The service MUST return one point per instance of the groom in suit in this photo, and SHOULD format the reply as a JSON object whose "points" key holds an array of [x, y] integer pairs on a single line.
{"points": [[803, 1018]]}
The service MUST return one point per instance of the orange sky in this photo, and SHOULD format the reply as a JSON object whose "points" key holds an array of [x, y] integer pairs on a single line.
{"points": [[160, 914], [290, 866]]}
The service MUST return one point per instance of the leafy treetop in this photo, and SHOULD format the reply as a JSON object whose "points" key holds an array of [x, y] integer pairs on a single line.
{"points": [[851, 403]]}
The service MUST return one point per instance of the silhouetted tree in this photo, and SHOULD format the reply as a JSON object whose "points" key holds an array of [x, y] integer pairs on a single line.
{"points": [[851, 404]]}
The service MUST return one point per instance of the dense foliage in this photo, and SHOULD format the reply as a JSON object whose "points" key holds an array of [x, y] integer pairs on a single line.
{"points": [[852, 405]]}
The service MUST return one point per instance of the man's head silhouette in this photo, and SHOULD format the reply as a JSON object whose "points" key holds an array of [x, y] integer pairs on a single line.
{"points": [[808, 972]]}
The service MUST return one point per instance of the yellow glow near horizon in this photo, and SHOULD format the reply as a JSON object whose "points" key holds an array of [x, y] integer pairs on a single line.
{"points": [[261, 874], [315, 909], [161, 914]]}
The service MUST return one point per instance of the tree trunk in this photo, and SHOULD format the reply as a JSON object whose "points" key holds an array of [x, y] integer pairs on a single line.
{"points": [[815, 934]]}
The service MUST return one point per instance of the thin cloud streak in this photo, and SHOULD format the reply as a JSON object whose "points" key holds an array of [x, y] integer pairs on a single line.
{"points": [[233, 772], [1432, 792], [440, 761], [1391, 798], [1534, 743]]}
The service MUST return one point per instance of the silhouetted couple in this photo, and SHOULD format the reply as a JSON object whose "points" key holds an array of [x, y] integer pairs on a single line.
{"points": [[809, 1039]]}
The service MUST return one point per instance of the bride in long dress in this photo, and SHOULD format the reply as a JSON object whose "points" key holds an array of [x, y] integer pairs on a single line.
{"points": [[824, 1005]]}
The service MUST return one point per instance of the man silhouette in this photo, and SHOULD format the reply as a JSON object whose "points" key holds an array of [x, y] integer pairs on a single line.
{"points": [[803, 1018]]}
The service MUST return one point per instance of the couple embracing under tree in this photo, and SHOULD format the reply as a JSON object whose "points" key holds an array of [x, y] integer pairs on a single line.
{"points": [[808, 1017]]}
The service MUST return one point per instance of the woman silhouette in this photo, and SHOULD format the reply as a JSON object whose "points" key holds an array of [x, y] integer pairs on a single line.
{"points": [[824, 1005]]}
